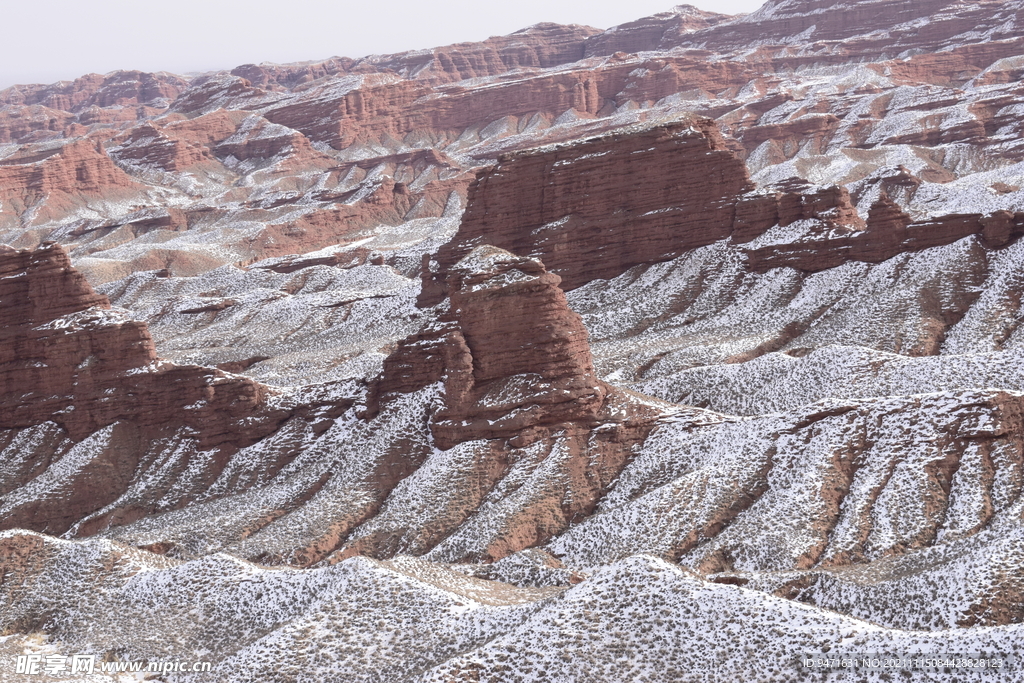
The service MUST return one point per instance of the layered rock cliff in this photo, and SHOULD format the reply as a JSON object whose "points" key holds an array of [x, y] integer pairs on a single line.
{"points": [[646, 194], [513, 359], [85, 377]]}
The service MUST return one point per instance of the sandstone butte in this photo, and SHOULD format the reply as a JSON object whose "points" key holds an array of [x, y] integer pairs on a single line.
{"points": [[69, 359], [595, 208]]}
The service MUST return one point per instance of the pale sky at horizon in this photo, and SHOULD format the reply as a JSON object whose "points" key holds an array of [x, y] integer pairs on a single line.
{"points": [[44, 42]]}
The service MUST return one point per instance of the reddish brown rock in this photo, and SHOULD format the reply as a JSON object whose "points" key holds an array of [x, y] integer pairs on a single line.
{"points": [[33, 112], [516, 370], [596, 208], [888, 232], [257, 139], [389, 203], [868, 28], [78, 167], [382, 105], [512, 355], [658, 32], [118, 88], [17, 123], [207, 130], [148, 146], [540, 46], [519, 359], [66, 356], [800, 200], [813, 130]]}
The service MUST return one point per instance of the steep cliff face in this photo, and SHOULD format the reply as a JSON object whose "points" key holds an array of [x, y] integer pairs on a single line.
{"points": [[72, 364], [646, 194], [675, 187], [67, 353], [865, 26], [511, 355], [77, 167], [50, 347]]}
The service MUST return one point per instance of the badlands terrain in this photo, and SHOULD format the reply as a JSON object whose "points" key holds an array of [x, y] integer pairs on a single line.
{"points": [[673, 352]]}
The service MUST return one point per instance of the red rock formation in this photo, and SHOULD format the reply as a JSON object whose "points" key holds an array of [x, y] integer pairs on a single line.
{"points": [[286, 76], [519, 358], [516, 369], [658, 32], [207, 130], [119, 88], [813, 129], [596, 208], [540, 46], [385, 203], [147, 146], [78, 167], [16, 123], [889, 232], [869, 28], [33, 112], [56, 181], [374, 106], [593, 209], [800, 200], [513, 358], [205, 94], [66, 356]]}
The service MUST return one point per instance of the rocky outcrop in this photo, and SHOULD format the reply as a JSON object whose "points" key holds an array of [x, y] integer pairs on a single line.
{"points": [[97, 431], [116, 89], [512, 356], [77, 167], [674, 187], [594, 209], [17, 124], [658, 32], [67, 357], [147, 146], [889, 232], [868, 28], [540, 46], [516, 384], [41, 112]]}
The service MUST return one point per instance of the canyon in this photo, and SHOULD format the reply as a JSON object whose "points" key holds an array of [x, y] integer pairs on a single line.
{"points": [[573, 354]]}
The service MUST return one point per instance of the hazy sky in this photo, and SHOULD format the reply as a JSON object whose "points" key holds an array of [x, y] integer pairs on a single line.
{"points": [[43, 42]]}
